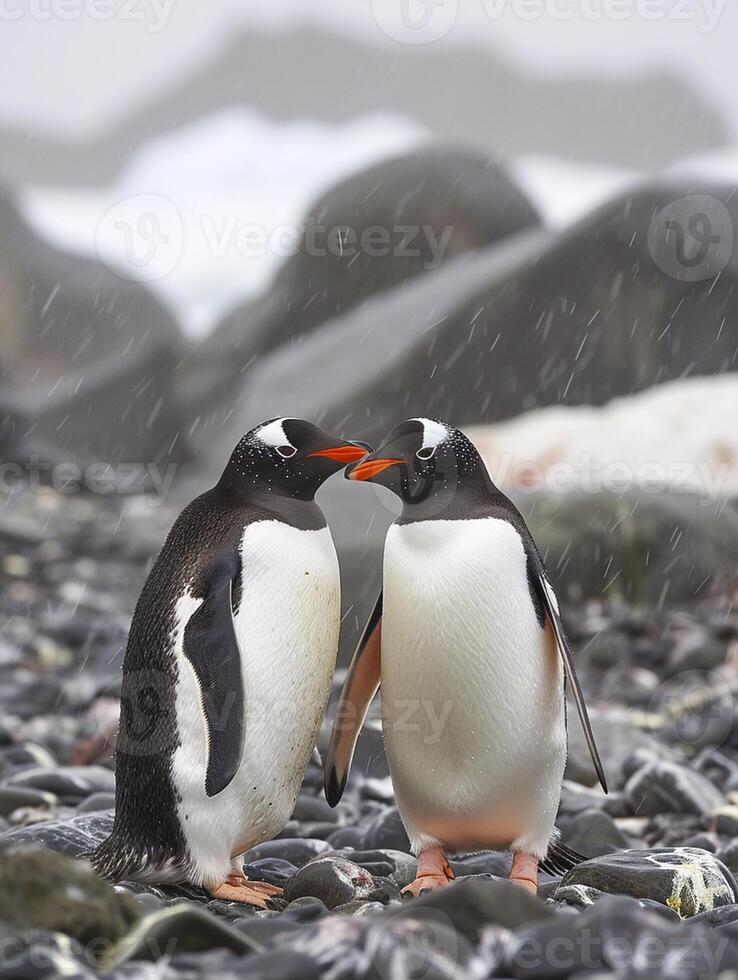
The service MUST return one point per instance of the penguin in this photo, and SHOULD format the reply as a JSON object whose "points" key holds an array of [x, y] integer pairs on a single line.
{"points": [[467, 641], [228, 668]]}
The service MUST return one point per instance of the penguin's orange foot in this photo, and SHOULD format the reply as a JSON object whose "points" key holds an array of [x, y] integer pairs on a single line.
{"points": [[236, 888], [425, 883], [434, 872], [524, 871], [263, 886]]}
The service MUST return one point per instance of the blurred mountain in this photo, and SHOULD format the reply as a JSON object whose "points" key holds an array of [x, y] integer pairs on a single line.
{"points": [[464, 94]]}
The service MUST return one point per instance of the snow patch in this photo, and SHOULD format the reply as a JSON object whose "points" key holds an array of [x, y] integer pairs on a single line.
{"points": [[679, 436], [207, 213]]}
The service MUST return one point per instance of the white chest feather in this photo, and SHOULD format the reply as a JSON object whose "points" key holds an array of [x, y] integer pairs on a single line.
{"points": [[287, 632], [472, 687]]}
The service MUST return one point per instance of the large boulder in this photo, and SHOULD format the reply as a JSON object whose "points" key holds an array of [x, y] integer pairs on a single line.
{"points": [[87, 358], [372, 231]]}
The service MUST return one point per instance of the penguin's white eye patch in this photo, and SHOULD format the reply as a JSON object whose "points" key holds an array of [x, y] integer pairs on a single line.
{"points": [[426, 452], [286, 451]]}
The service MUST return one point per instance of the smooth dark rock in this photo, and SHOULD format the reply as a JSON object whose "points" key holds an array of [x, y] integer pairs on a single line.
{"points": [[77, 837], [608, 649], [682, 878], [668, 787], [429, 947], [721, 916], [97, 802], [728, 854], [38, 953], [382, 863], [334, 880], [67, 782], [719, 768], [348, 837], [313, 809], [487, 862], [386, 831], [272, 965], [179, 929], [13, 797], [698, 651], [593, 833], [726, 821], [274, 870], [473, 904], [43, 890], [610, 933], [296, 851]]}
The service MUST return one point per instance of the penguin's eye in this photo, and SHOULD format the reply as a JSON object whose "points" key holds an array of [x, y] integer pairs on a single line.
{"points": [[286, 451], [426, 453]]}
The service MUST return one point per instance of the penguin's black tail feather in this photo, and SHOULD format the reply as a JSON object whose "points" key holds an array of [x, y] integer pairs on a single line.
{"points": [[559, 859], [118, 860]]}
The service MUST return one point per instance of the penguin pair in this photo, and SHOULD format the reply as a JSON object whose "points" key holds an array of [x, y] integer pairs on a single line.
{"points": [[233, 645], [467, 642]]}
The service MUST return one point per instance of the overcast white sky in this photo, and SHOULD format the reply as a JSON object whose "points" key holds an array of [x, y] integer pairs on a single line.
{"points": [[68, 65]]}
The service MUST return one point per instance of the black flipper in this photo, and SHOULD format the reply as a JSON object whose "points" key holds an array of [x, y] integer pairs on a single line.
{"points": [[559, 859], [548, 600], [210, 646], [360, 686]]}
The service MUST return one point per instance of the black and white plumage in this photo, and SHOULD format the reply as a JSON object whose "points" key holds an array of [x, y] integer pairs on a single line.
{"points": [[468, 645], [229, 664]]}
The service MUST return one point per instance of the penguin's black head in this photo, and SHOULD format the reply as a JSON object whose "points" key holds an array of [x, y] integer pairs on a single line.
{"points": [[288, 456], [423, 460]]}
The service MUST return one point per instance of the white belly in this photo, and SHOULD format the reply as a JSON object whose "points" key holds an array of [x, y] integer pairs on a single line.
{"points": [[472, 688], [287, 631]]}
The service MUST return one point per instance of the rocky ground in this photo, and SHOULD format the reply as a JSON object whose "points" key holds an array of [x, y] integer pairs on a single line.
{"points": [[658, 897]]}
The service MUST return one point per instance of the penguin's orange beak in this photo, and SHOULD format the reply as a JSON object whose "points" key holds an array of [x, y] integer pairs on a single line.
{"points": [[365, 471], [341, 454]]}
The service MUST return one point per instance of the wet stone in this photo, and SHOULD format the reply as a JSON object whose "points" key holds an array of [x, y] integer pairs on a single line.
{"points": [[687, 880], [334, 880], [666, 787], [67, 782], [43, 890]]}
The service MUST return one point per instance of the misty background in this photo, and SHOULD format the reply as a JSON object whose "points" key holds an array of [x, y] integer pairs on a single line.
{"points": [[568, 169]]}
